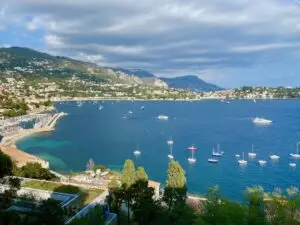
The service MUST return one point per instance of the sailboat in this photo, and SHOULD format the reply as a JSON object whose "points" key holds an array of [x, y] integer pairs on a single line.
{"points": [[192, 149], [274, 157], [212, 160], [137, 152], [262, 162], [217, 153], [296, 155], [170, 143], [252, 154], [242, 162]]}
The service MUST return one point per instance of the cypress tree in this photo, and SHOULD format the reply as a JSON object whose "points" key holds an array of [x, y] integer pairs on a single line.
{"points": [[141, 174], [128, 175], [175, 192]]}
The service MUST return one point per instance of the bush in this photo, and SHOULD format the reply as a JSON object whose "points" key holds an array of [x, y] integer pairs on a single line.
{"points": [[34, 170]]}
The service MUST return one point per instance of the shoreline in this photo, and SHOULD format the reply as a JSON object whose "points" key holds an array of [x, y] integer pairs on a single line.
{"points": [[8, 144], [161, 100]]}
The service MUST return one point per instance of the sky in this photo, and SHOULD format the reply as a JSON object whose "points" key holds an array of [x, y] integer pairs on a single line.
{"points": [[230, 43]]}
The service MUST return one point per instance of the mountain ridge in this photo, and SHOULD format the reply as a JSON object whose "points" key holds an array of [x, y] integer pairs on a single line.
{"points": [[27, 61]]}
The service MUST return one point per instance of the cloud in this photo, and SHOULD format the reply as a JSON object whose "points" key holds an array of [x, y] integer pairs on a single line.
{"points": [[165, 36]]}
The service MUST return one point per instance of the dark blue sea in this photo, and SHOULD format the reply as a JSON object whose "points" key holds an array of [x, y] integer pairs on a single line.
{"points": [[109, 136]]}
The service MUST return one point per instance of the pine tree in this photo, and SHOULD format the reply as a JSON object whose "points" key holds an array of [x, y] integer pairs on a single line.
{"points": [[128, 179], [141, 174], [175, 192]]}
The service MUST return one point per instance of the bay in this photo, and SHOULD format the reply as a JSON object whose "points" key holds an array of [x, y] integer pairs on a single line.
{"points": [[109, 136]]}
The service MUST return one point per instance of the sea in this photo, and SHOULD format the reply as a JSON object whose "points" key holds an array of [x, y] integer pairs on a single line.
{"points": [[110, 136]]}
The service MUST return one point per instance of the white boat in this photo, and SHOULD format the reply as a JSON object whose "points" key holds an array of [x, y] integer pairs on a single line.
{"points": [[296, 155], [142, 107], [261, 121], [274, 157], [292, 165], [170, 156], [100, 107], [217, 153], [254, 100], [137, 152], [242, 161], [130, 112], [228, 102], [212, 160], [191, 160], [252, 154], [79, 103], [162, 117], [192, 149], [262, 162], [237, 155], [170, 143]]}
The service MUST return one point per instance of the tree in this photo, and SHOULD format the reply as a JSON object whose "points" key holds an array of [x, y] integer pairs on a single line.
{"points": [[51, 213], [255, 197], [6, 165], [141, 174], [128, 175], [6, 198], [95, 216], [175, 192], [115, 199], [34, 170], [90, 164]]}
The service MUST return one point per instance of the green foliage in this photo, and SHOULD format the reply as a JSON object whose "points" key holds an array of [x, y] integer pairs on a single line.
{"points": [[141, 174], [6, 165], [51, 213], [34, 170], [175, 192], [100, 167], [95, 216], [128, 175]]}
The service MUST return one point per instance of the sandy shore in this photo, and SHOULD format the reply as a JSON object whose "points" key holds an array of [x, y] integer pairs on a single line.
{"points": [[49, 126]]}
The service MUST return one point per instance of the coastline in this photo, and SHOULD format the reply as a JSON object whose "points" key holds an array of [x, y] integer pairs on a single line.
{"points": [[8, 144]]}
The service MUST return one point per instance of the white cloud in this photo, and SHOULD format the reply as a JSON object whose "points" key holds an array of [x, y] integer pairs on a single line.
{"points": [[165, 35], [264, 47], [53, 40]]}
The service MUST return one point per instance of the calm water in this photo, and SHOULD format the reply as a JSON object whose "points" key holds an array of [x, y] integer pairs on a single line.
{"points": [[111, 135]]}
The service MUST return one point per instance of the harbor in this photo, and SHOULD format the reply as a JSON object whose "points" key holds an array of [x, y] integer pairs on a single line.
{"points": [[14, 130]]}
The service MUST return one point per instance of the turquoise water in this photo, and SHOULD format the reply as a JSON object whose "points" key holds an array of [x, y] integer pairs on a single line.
{"points": [[111, 135]]}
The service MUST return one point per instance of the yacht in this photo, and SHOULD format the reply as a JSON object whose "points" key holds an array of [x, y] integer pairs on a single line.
{"points": [[262, 162], [162, 117], [292, 165], [192, 149], [274, 157], [212, 160], [170, 143], [242, 162], [252, 154], [217, 153], [261, 121], [137, 152], [296, 155]]}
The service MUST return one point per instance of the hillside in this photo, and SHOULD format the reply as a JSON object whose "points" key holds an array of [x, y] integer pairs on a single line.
{"points": [[191, 82], [35, 76]]}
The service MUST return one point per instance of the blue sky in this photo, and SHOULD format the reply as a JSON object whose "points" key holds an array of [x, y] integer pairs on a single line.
{"points": [[230, 43]]}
